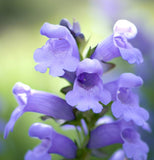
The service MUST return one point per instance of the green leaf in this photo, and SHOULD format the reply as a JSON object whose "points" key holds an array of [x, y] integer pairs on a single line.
{"points": [[81, 42]]}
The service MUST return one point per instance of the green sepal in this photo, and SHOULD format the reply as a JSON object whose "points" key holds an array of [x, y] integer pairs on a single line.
{"points": [[77, 120], [44, 117], [90, 52], [81, 42], [66, 89], [83, 154]]}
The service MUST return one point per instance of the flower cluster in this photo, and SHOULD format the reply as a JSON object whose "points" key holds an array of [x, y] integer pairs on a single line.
{"points": [[88, 99]]}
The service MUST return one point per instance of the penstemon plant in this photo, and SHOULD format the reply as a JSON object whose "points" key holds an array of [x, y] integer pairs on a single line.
{"points": [[103, 114]]}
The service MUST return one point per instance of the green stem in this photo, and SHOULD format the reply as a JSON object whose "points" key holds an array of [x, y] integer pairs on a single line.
{"points": [[79, 137], [90, 118]]}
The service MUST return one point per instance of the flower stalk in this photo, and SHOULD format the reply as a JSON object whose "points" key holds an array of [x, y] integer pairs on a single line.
{"points": [[102, 114]]}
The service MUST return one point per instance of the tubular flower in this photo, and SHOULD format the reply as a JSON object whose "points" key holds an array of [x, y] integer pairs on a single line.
{"points": [[117, 44], [133, 145], [88, 87], [125, 102], [30, 100], [52, 142], [60, 52], [119, 132]]}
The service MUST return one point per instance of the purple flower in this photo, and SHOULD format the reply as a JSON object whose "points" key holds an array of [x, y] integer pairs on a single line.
{"points": [[133, 146], [74, 29], [125, 102], [30, 100], [119, 132], [106, 134], [60, 52], [88, 87], [52, 142], [117, 45]]}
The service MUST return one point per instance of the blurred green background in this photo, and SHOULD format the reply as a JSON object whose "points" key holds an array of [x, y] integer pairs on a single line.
{"points": [[20, 23]]}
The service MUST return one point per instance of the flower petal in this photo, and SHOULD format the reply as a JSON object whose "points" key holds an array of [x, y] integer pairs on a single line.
{"points": [[56, 55], [59, 53], [126, 28], [40, 152], [129, 80], [52, 142], [16, 114], [127, 51], [105, 135], [58, 31], [133, 146], [88, 99], [129, 109], [106, 50], [53, 31], [132, 55], [90, 66], [88, 88], [37, 101]]}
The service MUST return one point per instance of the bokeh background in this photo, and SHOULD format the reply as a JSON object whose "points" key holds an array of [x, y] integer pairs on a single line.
{"points": [[20, 23]]}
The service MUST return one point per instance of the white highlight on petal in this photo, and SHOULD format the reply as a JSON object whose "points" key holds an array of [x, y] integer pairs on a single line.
{"points": [[104, 120], [21, 91], [126, 28]]}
